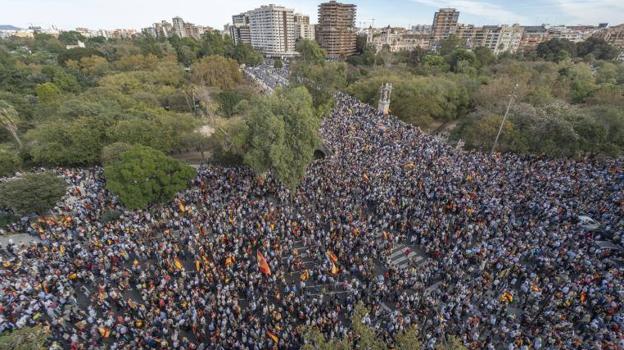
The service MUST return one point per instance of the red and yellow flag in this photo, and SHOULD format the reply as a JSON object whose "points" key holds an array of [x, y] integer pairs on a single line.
{"points": [[263, 265], [334, 269], [178, 263], [305, 275], [583, 297], [273, 337], [104, 332], [229, 261], [331, 256]]}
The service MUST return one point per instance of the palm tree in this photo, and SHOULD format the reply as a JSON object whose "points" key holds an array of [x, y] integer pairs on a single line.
{"points": [[9, 119]]}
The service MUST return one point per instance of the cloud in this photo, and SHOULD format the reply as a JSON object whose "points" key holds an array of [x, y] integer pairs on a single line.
{"points": [[483, 9], [593, 11]]}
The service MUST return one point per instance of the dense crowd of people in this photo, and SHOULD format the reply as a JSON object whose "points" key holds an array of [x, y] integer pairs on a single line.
{"points": [[508, 264], [268, 76]]}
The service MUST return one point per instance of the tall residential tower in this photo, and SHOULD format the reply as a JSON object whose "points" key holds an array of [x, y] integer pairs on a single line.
{"points": [[336, 32], [273, 30]]}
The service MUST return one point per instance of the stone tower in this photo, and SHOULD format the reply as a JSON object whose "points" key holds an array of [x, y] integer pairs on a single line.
{"points": [[384, 98]]}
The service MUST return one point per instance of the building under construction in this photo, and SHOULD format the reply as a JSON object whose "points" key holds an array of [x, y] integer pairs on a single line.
{"points": [[336, 32]]}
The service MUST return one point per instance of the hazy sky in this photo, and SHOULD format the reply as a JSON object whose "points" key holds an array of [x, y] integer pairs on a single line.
{"points": [[110, 14]]}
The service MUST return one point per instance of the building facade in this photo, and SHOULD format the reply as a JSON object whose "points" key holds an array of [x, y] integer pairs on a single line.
{"points": [[336, 32], [397, 39], [178, 27], [272, 30], [240, 30], [303, 28], [445, 23], [532, 36]]}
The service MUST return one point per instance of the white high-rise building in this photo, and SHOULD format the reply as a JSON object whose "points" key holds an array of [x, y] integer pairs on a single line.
{"points": [[303, 28], [178, 27], [273, 30], [510, 39]]}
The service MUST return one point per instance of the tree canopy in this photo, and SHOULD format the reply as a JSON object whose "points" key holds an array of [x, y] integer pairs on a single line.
{"points": [[281, 135], [142, 176], [33, 193]]}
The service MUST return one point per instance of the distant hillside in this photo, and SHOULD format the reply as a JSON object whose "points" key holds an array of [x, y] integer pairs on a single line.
{"points": [[8, 27]]}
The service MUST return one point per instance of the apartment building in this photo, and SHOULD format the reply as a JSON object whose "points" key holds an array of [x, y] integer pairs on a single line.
{"points": [[178, 27], [398, 39], [336, 32], [303, 28], [272, 30], [532, 36], [445, 23], [240, 30]]}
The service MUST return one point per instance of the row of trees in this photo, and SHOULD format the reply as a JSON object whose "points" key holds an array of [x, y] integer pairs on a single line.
{"points": [[567, 100], [365, 337]]}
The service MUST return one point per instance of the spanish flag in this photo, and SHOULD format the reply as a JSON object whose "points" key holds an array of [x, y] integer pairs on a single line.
{"points": [[178, 263], [182, 207], [305, 275], [263, 264], [334, 269], [506, 297], [104, 331], [273, 337], [229, 261], [197, 265], [331, 256], [583, 297]]}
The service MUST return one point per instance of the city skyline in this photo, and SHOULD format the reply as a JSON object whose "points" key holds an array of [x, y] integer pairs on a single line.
{"points": [[97, 14]]}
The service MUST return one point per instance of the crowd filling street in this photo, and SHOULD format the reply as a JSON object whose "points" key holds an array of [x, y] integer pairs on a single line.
{"points": [[238, 262]]}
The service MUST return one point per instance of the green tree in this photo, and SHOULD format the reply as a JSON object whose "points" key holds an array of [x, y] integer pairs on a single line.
{"points": [[310, 52], [314, 339], [366, 337], [281, 135], [321, 80], [77, 142], [484, 56], [450, 44], [216, 71], [479, 131], [48, 93], [556, 50], [247, 55], [76, 54], [596, 47], [408, 339], [70, 37], [229, 99], [143, 175], [32, 193], [213, 43], [9, 120], [9, 162], [111, 153], [27, 338], [435, 64], [462, 59]]}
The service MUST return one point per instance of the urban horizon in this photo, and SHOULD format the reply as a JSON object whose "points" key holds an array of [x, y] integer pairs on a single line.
{"points": [[368, 15]]}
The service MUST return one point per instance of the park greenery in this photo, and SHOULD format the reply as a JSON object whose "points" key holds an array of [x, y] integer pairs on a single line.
{"points": [[567, 98], [141, 176], [27, 338], [89, 106], [366, 337], [33, 193]]}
